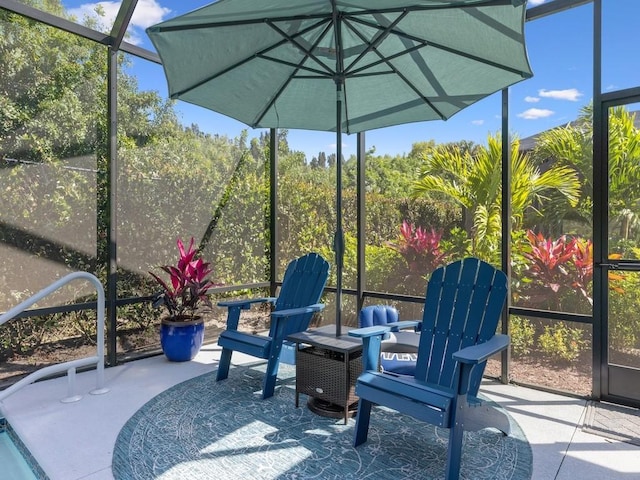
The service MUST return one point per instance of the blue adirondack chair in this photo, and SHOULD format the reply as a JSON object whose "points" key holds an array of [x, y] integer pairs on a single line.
{"points": [[302, 286], [463, 304]]}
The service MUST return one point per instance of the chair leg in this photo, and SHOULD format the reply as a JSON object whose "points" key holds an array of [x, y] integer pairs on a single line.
{"points": [[223, 364], [483, 416], [454, 455], [362, 422], [270, 377]]}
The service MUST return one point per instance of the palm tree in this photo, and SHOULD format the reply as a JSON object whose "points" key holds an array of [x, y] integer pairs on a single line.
{"points": [[572, 146], [475, 183]]}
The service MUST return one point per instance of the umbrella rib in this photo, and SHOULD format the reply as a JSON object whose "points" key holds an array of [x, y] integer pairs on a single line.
{"points": [[371, 45], [305, 50], [298, 67], [485, 61], [386, 60], [424, 44], [320, 73], [261, 54], [383, 59], [427, 43], [233, 23]]}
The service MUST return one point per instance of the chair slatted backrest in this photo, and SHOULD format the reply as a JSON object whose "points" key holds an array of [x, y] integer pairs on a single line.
{"points": [[463, 304], [302, 285]]}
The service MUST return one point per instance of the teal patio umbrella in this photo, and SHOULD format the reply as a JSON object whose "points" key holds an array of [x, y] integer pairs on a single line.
{"points": [[344, 66]]}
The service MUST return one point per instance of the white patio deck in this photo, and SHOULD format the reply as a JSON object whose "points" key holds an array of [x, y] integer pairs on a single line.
{"points": [[75, 441]]}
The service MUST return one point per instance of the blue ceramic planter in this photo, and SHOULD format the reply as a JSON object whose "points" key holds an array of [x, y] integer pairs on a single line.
{"points": [[181, 341]]}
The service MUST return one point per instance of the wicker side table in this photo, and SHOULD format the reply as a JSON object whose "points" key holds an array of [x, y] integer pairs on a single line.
{"points": [[327, 368]]}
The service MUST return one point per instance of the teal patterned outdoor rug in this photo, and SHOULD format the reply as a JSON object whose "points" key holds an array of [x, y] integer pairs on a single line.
{"points": [[201, 429]]}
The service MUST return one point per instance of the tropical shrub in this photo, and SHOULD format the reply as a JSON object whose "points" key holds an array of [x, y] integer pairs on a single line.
{"points": [[548, 271], [385, 271], [23, 336], [557, 275], [624, 305], [457, 243], [419, 248], [563, 342], [556, 270], [522, 333], [469, 178]]}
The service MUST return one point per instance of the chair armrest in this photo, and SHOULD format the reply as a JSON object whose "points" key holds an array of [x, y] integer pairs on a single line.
{"points": [[279, 319], [234, 307], [366, 332], [298, 311], [371, 341], [479, 353], [246, 303], [397, 326]]}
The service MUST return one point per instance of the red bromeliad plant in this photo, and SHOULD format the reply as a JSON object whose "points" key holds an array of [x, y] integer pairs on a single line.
{"points": [[583, 262], [559, 266], [188, 287], [420, 249], [549, 261]]}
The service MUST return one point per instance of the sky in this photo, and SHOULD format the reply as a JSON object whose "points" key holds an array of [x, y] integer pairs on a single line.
{"points": [[560, 53]]}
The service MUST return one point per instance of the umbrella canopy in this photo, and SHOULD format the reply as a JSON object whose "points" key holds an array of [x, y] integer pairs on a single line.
{"points": [[345, 66]]}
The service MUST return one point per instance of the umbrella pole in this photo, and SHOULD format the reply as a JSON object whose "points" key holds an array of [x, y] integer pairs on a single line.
{"points": [[338, 241], [339, 238]]}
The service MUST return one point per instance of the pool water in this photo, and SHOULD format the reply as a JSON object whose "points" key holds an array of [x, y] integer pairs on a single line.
{"points": [[14, 464]]}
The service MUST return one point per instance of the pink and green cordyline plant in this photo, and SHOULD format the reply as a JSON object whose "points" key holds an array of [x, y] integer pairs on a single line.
{"points": [[549, 260], [420, 248], [189, 286], [560, 264], [583, 262]]}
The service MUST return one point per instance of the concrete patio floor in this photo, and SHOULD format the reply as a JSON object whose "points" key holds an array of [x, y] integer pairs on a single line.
{"points": [[73, 441]]}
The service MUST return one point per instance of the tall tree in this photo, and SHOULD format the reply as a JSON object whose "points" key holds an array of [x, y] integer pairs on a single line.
{"points": [[572, 145], [475, 183]]}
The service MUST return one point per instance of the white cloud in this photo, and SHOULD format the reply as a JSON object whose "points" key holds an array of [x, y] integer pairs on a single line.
{"points": [[147, 13], [530, 99], [477, 122], [332, 147], [571, 94], [535, 113], [536, 2]]}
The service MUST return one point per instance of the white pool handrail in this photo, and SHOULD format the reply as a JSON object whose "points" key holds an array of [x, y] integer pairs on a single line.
{"points": [[70, 366]]}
